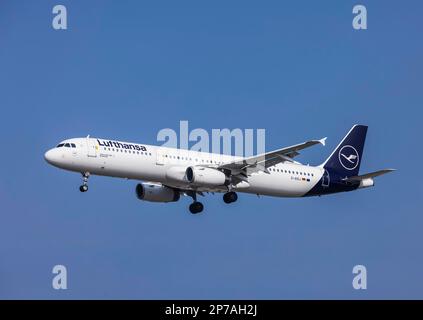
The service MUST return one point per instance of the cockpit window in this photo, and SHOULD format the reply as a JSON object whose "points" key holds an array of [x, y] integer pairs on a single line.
{"points": [[67, 145]]}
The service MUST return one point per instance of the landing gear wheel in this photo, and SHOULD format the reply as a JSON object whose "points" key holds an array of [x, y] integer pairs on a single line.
{"points": [[230, 197], [84, 187], [196, 207]]}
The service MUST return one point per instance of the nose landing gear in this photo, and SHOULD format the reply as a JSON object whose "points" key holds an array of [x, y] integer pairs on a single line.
{"points": [[84, 186]]}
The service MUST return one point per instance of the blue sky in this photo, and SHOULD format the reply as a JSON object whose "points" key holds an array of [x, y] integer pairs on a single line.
{"points": [[125, 70]]}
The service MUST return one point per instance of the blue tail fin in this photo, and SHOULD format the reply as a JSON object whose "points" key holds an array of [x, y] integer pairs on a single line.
{"points": [[346, 158]]}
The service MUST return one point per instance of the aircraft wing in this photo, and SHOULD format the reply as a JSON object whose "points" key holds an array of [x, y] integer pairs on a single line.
{"points": [[263, 161]]}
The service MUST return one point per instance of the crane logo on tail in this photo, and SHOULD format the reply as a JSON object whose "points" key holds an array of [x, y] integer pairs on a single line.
{"points": [[348, 157]]}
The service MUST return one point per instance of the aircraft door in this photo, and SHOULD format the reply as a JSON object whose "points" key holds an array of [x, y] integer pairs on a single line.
{"points": [[91, 147], [74, 150], [325, 179], [160, 156]]}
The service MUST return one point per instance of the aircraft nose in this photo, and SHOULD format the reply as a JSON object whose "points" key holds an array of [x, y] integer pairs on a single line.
{"points": [[49, 156]]}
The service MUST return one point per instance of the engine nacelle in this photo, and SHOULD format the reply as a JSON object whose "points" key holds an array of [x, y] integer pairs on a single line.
{"points": [[205, 176], [365, 183], [176, 175], [156, 193]]}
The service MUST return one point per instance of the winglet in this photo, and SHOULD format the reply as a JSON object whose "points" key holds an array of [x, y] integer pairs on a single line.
{"points": [[323, 141]]}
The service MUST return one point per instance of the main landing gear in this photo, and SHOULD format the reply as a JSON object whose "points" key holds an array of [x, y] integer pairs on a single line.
{"points": [[196, 206], [230, 197], [84, 187]]}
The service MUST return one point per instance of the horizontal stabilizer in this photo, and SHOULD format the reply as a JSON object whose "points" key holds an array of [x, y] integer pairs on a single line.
{"points": [[368, 175]]}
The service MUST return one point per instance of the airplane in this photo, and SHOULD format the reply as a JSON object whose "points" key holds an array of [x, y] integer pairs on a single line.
{"points": [[169, 173]]}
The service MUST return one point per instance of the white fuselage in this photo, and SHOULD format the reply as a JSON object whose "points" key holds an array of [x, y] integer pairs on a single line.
{"points": [[159, 164]]}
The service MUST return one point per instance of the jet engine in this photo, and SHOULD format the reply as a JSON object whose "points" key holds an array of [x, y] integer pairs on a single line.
{"points": [[176, 175], [205, 176], [156, 193]]}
